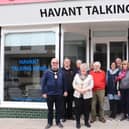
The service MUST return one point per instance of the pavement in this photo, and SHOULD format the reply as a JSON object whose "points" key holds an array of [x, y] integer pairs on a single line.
{"points": [[18, 123]]}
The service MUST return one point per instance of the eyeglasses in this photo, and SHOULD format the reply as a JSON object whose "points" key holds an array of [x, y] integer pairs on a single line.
{"points": [[124, 64], [54, 62]]}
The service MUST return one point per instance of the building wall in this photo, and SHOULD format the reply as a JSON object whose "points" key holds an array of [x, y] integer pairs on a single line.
{"points": [[41, 17]]}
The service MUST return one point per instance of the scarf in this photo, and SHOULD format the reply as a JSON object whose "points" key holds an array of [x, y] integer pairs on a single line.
{"points": [[122, 75]]}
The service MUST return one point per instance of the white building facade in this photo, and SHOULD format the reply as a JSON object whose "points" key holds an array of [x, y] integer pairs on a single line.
{"points": [[33, 33]]}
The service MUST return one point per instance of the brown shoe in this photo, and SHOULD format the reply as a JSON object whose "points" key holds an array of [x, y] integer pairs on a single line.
{"points": [[92, 120], [102, 120]]}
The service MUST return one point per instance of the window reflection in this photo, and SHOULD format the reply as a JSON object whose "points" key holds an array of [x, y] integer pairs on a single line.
{"points": [[100, 54], [75, 45], [117, 49], [24, 67]]}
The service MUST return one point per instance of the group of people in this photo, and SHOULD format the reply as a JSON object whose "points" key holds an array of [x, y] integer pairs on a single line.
{"points": [[118, 88], [85, 86]]}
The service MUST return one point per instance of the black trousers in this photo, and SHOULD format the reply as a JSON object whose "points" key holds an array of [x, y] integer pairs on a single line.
{"points": [[113, 108], [82, 105], [68, 107], [125, 101], [57, 100]]}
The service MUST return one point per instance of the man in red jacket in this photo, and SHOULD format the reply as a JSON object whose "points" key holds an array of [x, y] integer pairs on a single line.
{"points": [[99, 78]]}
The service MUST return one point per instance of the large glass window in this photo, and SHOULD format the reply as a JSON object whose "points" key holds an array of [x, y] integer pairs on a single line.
{"points": [[74, 46], [27, 56], [118, 49]]}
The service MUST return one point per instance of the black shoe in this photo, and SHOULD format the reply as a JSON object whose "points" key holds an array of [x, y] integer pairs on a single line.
{"points": [[123, 118], [92, 120], [128, 118], [63, 120], [87, 124], [48, 126], [113, 116], [78, 126], [60, 125]]}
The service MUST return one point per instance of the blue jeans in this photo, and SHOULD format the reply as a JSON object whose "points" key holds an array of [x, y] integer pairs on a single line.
{"points": [[113, 97]]}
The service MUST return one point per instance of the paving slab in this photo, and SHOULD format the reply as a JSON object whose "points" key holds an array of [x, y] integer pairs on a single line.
{"points": [[13, 123]]}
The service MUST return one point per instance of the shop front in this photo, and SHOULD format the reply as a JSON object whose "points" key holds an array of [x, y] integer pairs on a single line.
{"points": [[31, 34]]}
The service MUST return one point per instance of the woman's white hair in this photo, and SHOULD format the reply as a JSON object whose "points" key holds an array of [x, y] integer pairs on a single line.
{"points": [[84, 66]]}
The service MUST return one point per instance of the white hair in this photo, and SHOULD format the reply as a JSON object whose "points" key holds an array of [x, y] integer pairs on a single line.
{"points": [[78, 61], [84, 66], [97, 63]]}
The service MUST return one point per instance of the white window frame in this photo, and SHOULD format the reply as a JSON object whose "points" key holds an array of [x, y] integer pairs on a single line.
{"points": [[22, 29], [107, 40]]}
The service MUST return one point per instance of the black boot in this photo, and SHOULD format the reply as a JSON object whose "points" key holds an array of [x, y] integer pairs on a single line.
{"points": [[111, 108], [114, 109], [87, 124], [123, 117], [78, 126]]}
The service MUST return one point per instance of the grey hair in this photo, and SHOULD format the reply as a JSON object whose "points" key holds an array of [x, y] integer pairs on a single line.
{"points": [[97, 63], [85, 66], [78, 61]]}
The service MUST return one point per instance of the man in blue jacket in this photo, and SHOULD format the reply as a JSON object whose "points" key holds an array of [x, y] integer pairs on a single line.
{"points": [[54, 88]]}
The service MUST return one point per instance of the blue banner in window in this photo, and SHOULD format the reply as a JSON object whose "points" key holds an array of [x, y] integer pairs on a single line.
{"points": [[28, 65]]}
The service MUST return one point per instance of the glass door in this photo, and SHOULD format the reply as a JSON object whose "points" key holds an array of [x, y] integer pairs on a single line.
{"points": [[106, 53], [100, 54]]}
